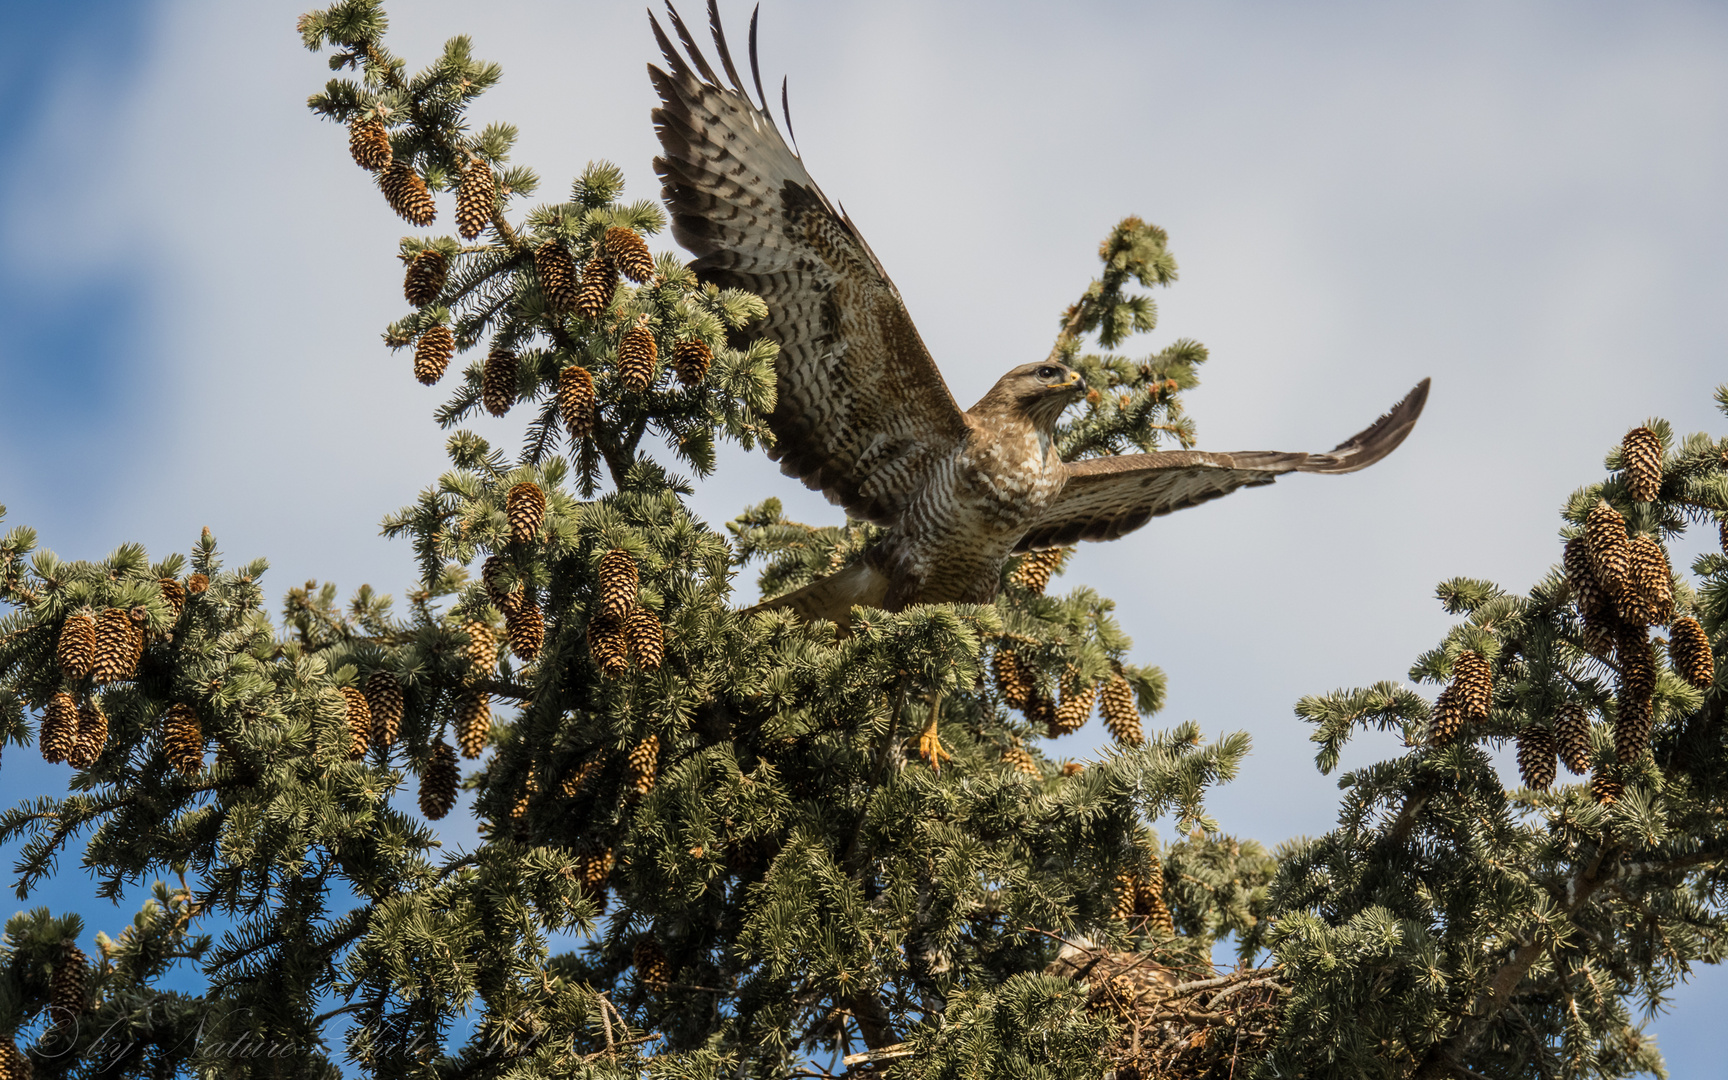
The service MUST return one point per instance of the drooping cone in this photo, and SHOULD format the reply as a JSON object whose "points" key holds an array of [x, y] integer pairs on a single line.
{"points": [[369, 143], [68, 987], [438, 782], [407, 195], [384, 698], [525, 627], [557, 273], [58, 734], [1633, 713], [1595, 605], [183, 738], [525, 506], [473, 722], [1689, 653], [138, 616], [1121, 715], [13, 1064], [577, 778], [617, 583], [599, 284], [114, 647], [476, 197], [629, 253], [1076, 704], [173, 593], [1536, 757], [1641, 459], [1473, 675], [359, 721], [637, 355], [1023, 761], [424, 281], [1127, 895], [496, 575], [1572, 737], [1447, 717], [652, 970], [1606, 789], [196, 584], [1011, 679], [576, 401], [593, 869], [643, 765], [76, 651], [1149, 900], [432, 353], [609, 644], [691, 359], [647, 638], [1605, 541], [92, 735], [1073, 768], [1648, 598], [482, 648], [1033, 573], [498, 380]]}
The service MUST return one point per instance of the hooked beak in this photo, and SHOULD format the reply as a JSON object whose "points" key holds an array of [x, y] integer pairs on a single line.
{"points": [[1072, 383]]}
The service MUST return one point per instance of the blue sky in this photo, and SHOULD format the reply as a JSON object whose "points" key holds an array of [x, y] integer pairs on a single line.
{"points": [[1520, 200]]}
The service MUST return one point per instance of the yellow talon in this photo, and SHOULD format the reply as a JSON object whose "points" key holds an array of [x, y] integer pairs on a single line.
{"points": [[929, 743]]}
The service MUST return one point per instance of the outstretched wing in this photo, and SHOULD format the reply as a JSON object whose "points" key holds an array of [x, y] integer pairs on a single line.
{"points": [[862, 412], [1109, 497]]}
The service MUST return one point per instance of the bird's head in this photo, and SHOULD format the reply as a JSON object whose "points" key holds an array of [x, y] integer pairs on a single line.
{"points": [[1038, 391]]}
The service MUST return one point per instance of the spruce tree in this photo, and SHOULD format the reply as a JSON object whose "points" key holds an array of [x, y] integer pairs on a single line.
{"points": [[708, 847]]}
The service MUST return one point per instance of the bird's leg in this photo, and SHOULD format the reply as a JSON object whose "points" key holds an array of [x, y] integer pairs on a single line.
{"points": [[929, 744]]}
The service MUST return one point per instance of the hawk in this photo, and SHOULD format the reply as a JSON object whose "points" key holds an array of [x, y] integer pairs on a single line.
{"points": [[862, 413]]}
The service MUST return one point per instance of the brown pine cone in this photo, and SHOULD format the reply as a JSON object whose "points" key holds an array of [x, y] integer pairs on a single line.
{"points": [[1121, 715], [406, 193], [652, 970], [1605, 541], [13, 1064], [1073, 768], [359, 721], [643, 765], [1648, 599], [57, 736], [1076, 705], [1149, 899], [173, 594], [473, 722], [438, 782], [476, 197], [498, 380], [1641, 460], [1127, 896], [1011, 679], [1606, 789], [116, 658], [369, 143], [1447, 717], [691, 359], [1473, 675], [1632, 720], [578, 778], [1690, 654], [498, 578], [593, 869], [76, 651], [384, 698], [609, 644], [1572, 737], [1593, 600], [576, 401], [1536, 757], [637, 355], [525, 506], [183, 739], [599, 285], [629, 253], [1023, 761], [1033, 572], [428, 269], [92, 735], [432, 353], [1637, 663], [647, 638], [196, 584], [557, 273], [138, 616], [69, 986], [525, 627], [482, 648], [618, 583]]}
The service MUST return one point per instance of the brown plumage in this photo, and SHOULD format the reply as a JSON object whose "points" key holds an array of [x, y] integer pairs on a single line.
{"points": [[406, 193], [432, 353], [1690, 654], [476, 197], [498, 380], [862, 414], [359, 721], [58, 733], [1641, 459], [557, 273], [629, 253], [384, 698], [183, 738], [369, 143], [576, 401], [1572, 737], [76, 649], [525, 507], [438, 782], [424, 279]]}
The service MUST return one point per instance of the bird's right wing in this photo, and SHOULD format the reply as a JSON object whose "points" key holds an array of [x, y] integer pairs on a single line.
{"points": [[862, 411]]}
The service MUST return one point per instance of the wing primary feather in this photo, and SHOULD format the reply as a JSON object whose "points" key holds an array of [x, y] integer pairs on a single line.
{"points": [[1376, 440], [689, 41], [756, 68], [680, 67], [720, 46], [786, 110]]}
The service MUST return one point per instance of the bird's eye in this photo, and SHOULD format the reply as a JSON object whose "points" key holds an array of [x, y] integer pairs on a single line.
{"points": [[1046, 373]]}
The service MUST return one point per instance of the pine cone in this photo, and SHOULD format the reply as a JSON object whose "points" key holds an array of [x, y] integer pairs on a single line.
{"points": [[438, 782], [495, 575], [1121, 715], [1011, 680], [691, 359], [593, 869], [13, 1064], [173, 594], [617, 583], [525, 506], [138, 616], [1073, 768], [652, 971], [599, 284], [92, 735], [196, 584], [1572, 737], [1473, 675], [1076, 705], [1648, 598], [629, 253], [432, 353], [526, 629], [1605, 541], [1637, 664], [1536, 757], [1689, 653], [476, 198], [1595, 605], [1641, 460], [428, 269], [359, 721], [647, 638], [115, 659], [369, 143], [76, 651], [1033, 572], [609, 644], [183, 738], [57, 736], [473, 722], [643, 764], [1127, 896], [1020, 759], [1447, 717], [498, 380], [637, 356], [1606, 789], [68, 987], [1149, 900], [384, 698], [576, 401], [482, 648], [577, 778], [557, 273], [407, 195]]}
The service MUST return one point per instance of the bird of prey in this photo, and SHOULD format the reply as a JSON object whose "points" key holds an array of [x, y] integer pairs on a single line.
{"points": [[863, 414]]}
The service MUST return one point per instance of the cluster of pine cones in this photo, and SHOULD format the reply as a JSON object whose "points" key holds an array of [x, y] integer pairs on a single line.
{"points": [[1141, 896], [1017, 684], [619, 627]]}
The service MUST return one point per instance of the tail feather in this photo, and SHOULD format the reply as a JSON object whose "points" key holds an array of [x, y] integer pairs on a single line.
{"points": [[834, 596]]}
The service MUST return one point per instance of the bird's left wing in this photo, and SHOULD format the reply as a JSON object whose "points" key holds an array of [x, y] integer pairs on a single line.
{"points": [[1109, 497]]}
